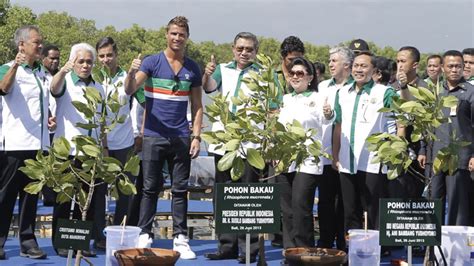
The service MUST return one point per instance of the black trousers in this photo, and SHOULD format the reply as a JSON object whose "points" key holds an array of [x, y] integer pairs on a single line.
{"points": [[136, 199], [407, 185], [296, 201], [459, 191], [233, 244], [124, 202], [157, 150], [12, 183], [331, 210], [361, 192]]}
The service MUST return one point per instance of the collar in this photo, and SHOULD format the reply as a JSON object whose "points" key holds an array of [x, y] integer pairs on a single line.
{"points": [[348, 81], [75, 78], [471, 78], [461, 85], [367, 87], [36, 66], [233, 65], [120, 72], [305, 93]]}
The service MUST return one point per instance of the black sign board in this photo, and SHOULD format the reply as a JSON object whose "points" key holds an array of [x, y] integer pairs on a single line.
{"points": [[247, 208], [410, 222], [73, 234]]}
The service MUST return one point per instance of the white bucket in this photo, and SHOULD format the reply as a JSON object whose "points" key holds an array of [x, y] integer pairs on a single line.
{"points": [[454, 243], [119, 238], [364, 248]]}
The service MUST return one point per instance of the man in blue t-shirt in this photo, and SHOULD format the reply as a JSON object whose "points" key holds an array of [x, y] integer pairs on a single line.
{"points": [[170, 80]]}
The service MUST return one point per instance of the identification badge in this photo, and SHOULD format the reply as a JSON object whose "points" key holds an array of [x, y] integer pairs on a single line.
{"points": [[453, 111]]}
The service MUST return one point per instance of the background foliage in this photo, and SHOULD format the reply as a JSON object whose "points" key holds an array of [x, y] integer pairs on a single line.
{"points": [[63, 30]]}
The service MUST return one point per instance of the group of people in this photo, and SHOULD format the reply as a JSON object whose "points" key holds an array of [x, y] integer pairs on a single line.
{"points": [[344, 110]]}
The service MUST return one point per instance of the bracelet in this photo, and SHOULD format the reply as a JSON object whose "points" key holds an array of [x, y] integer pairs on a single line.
{"points": [[197, 137]]}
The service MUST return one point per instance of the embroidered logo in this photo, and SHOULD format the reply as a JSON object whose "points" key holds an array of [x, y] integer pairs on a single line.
{"points": [[186, 76]]}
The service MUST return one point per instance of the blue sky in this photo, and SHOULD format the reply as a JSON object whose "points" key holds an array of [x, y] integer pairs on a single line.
{"points": [[430, 25]]}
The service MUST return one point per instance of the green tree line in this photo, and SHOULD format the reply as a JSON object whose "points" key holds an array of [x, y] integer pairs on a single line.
{"points": [[63, 30]]}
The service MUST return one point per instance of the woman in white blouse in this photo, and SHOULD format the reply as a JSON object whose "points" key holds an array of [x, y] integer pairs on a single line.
{"points": [[299, 184]]}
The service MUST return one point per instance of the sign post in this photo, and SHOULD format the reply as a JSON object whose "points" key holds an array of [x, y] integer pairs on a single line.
{"points": [[73, 234], [247, 208], [410, 222]]}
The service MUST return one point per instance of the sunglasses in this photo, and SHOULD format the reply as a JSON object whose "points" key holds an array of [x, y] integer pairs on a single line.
{"points": [[298, 73], [240, 49], [176, 83]]}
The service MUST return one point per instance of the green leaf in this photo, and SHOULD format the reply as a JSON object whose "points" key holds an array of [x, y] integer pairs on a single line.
{"points": [[88, 126], [92, 94], [208, 137], [91, 150], [133, 165], [449, 101], [237, 169], [112, 160], [83, 108], [255, 159], [225, 163], [32, 172], [34, 187], [232, 145], [61, 148]]}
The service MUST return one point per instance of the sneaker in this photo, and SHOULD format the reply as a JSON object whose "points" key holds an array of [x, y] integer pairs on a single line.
{"points": [[144, 241], [33, 253], [181, 244]]}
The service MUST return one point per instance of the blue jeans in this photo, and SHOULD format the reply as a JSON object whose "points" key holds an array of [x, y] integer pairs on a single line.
{"points": [[157, 150]]}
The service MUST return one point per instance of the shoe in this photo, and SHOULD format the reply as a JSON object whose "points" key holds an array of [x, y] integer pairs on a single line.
{"points": [[2, 254], [34, 253], [62, 252], [241, 259], [100, 245], [181, 244], [89, 253], [144, 241], [220, 256]]}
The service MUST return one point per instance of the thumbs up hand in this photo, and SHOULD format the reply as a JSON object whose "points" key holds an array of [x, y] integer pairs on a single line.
{"points": [[136, 63], [327, 110], [211, 66], [20, 58]]}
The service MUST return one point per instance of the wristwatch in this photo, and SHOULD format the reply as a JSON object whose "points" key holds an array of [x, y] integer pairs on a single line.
{"points": [[197, 137]]}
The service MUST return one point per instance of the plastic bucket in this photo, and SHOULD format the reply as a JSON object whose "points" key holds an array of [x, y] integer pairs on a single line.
{"points": [[454, 243], [119, 238], [364, 248]]}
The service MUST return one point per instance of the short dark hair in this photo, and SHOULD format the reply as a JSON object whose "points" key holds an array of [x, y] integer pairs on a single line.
{"points": [[291, 44], [382, 64], [433, 56], [319, 66], [106, 41], [468, 51], [180, 21], [372, 57], [453, 53], [47, 48], [309, 68], [248, 36], [415, 54]]}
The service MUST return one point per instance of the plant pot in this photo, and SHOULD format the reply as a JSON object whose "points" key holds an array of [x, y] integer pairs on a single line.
{"points": [[314, 256], [146, 256]]}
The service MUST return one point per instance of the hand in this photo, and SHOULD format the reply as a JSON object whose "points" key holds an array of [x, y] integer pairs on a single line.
{"points": [[135, 66], [211, 66], [471, 165], [195, 148], [336, 165], [52, 123], [138, 144], [20, 58], [69, 65], [327, 110], [402, 78], [422, 161]]}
